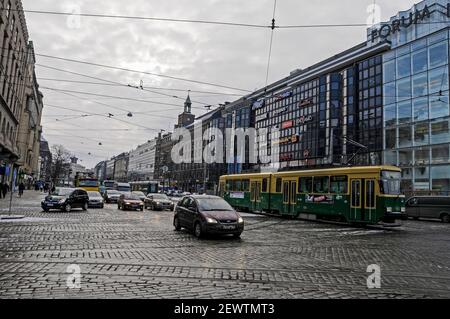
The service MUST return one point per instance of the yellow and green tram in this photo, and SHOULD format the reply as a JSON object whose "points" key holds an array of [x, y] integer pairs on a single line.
{"points": [[360, 195]]}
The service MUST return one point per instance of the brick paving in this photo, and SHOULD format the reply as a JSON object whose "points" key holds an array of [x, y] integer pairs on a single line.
{"points": [[139, 255]]}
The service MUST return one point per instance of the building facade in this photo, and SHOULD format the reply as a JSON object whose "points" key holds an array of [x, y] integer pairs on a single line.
{"points": [[141, 166], [121, 167], [45, 155], [20, 99]]}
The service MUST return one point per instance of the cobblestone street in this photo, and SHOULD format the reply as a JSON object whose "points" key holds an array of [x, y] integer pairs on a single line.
{"points": [[139, 255]]}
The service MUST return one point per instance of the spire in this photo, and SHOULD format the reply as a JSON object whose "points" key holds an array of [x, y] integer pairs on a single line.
{"points": [[187, 104]]}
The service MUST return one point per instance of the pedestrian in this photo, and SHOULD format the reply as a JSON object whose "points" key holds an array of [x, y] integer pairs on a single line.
{"points": [[1, 189], [21, 188], [5, 189]]}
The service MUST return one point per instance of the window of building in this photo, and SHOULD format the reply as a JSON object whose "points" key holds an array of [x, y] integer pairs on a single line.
{"points": [[389, 93], [405, 157], [404, 66], [404, 89], [438, 54], [420, 61], [389, 71], [440, 154], [420, 85], [404, 136], [390, 158], [422, 156], [439, 107], [440, 132], [421, 134], [390, 115], [438, 80], [404, 112], [420, 107], [440, 176], [391, 138]]}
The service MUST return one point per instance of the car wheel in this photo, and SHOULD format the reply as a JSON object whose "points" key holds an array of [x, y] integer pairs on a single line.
{"points": [[445, 218], [152, 207], [142, 209], [46, 210], [176, 224], [85, 207], [103, 206], [198, 232], [67, 208]]}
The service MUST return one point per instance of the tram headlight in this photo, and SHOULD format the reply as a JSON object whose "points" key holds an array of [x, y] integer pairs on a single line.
{"points": [[389, 209], [403, 209]]}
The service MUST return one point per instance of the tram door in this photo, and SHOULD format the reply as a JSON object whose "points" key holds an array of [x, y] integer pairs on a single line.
{"points": [[289, 196], [255, 195], [363, 201]]}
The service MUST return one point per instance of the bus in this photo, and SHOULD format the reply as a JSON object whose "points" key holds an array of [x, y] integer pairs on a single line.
{"points": [[88, 184], [356, 195], [148, 187]]}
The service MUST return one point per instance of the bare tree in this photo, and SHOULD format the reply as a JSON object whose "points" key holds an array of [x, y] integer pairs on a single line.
{"points": [[60, 162]]}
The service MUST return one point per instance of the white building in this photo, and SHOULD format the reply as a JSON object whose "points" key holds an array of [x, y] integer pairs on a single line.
{"points": [[141, 165]]}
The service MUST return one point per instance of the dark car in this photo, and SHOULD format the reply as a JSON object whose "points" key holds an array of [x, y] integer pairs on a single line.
{"points": [[140, 194], [437, 207], [96, 200], [66, 199], [112, 196], [205, 214], [130, 202], [158, 202]]}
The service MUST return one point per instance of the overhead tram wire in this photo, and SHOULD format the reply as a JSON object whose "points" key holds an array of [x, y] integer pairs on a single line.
{"points": [[114, 82], [271, 42]]}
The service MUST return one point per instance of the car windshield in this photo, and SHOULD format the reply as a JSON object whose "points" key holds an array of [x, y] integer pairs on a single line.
{"points": [[390, 182], [139, 193], [160, 196], [212, 204], [62, 192], [94, 194], [131, 197]]}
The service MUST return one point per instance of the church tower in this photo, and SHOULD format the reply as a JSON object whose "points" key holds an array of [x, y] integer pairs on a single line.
{"points": [[186, 118]]}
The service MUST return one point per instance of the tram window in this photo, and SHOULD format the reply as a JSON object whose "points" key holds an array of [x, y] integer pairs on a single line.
{"points": [[229, 186], [370, 194], [321, 184], [339, 184], [306, 185], [264, 185], [286, 192], [278, 187], [356, 193], [238, 186], [245, 185]]}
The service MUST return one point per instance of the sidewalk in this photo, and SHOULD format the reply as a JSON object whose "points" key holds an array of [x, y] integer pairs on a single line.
{"points": [[30, 200]]}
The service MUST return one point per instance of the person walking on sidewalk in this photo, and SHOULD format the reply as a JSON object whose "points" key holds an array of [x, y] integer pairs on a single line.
{"points": [[5, 189], [21, 188]]}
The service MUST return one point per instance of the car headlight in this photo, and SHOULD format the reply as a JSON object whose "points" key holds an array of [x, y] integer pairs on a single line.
{"points": [[62, 201], [211, 220], [240, 220], [157, 203], [127, 203], [389, 209]]}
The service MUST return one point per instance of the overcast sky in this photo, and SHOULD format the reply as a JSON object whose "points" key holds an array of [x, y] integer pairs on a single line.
{"points": [[226, 55]]}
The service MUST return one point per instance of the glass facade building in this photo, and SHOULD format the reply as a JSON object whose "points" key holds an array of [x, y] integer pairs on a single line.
{"points": [[389, 94]]}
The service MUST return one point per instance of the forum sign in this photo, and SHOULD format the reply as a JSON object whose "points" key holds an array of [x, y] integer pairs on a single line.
{"points": [[406, 20]]}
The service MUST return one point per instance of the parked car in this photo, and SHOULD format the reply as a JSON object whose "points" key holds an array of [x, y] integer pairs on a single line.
{"points": [[112, 196], [429, 207], [96, 200], [141, 195], [158, 202], [66, 199], [130, 202], [204, 214]]}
